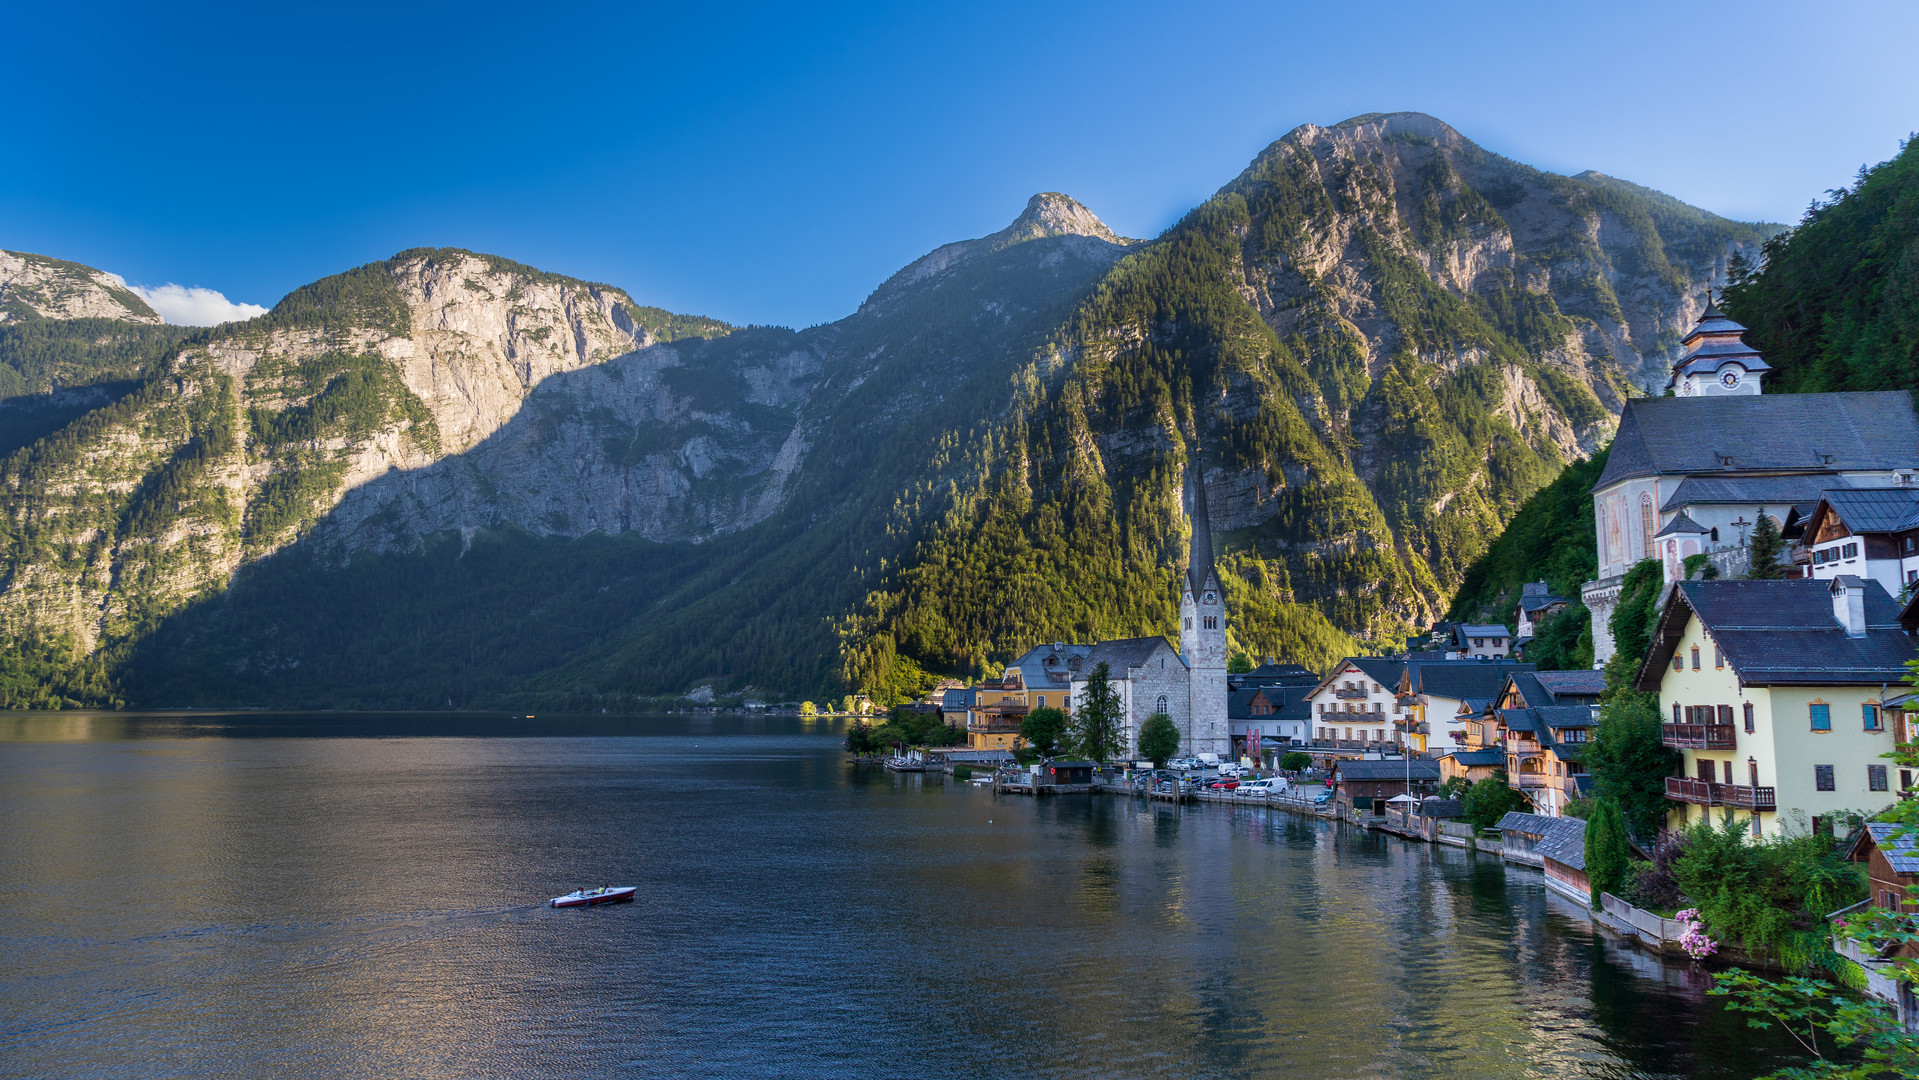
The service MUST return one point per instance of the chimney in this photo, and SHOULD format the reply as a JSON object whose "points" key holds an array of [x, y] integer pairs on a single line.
{"points": [[1849, 604]]}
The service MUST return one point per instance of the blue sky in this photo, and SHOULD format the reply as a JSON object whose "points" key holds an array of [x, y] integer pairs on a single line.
{"points": [[773, 163]]}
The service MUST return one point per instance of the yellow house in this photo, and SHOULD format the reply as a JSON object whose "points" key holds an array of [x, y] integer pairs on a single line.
{"points": [[1773, 691], [992, 722]]}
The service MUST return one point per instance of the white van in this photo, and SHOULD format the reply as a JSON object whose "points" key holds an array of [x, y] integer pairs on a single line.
{"points": [[1259, 789]]}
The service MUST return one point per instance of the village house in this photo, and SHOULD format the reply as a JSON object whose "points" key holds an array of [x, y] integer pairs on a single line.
{"points": [[993, 719], [1354, 706], [1892, 865], [1472, 641], [1774, 693], [1361, 788], [1871, 533], [1536, 605], [1562, 856], [1434, 689], [1544, 756], [1045, 674], [1481, 751], [1267, 719]]}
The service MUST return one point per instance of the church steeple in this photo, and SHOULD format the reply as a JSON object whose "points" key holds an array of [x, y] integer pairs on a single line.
{"points": [[1199, 560]]}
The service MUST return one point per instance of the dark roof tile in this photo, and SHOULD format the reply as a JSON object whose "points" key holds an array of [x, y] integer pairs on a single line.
{"points": [[1856, 431]]}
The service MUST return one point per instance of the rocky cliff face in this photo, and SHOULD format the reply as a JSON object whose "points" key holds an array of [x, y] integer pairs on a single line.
{"points": [[37, 287], [247, 435]]}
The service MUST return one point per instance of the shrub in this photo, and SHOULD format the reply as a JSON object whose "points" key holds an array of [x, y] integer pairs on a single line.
{"points": [[962, 772], [1295, 762]]}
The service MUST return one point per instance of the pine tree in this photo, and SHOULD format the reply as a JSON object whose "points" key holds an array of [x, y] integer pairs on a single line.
{"points": [[1096, 720], [1606, 850], [1765, 547]]}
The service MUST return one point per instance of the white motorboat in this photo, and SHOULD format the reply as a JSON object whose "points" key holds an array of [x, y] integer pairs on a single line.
{"points": [[605, 894]]}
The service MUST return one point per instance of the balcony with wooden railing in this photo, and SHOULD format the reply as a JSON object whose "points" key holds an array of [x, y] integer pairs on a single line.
{"points": [[1687, 789], [1350, 695], [1697, 736]]}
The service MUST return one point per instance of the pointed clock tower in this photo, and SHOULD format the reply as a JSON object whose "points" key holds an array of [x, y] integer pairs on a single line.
{"points": [[1202, 630]]}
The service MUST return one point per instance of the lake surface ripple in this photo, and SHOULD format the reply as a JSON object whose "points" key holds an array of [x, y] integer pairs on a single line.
{"points": [[354, 895]]}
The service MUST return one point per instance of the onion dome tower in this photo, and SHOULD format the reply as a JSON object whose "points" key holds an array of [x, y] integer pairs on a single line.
{"points": [[1716, 362]]}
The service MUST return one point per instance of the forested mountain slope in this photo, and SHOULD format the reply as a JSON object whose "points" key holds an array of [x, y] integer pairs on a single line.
{"points": [[450, 479], [1384, 339]]}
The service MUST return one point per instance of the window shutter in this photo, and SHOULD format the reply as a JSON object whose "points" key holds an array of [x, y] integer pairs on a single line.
{"points": [[1822, 777], [1725, 715]]}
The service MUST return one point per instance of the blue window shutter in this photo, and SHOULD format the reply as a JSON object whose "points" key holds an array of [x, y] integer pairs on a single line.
{"points": [[1822, 718]]}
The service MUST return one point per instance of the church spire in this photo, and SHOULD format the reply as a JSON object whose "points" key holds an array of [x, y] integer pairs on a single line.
{"points": [[1199, 562]]}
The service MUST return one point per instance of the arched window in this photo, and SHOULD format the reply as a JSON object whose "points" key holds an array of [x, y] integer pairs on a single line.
{"points": [[1648, 522], [1162, 704], [1599, 515]]}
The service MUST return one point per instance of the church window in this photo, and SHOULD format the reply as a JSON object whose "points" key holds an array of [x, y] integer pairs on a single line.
{"points": [[1599, 511], [1189, 624], [1647, 520], [1162, 703]]}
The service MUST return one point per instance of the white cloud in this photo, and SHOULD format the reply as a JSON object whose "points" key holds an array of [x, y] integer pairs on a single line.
{"points": [[192, 306]]}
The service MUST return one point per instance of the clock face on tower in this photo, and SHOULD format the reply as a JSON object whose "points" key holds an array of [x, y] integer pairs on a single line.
{"points": [[1209, 598], [1730, 379]]}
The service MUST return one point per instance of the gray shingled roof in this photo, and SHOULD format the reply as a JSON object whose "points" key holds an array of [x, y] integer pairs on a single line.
{"points": [[1564, 843], [1562, 684], [1876, 510], [1902, 853], [1387, 770], [1566, 716], [1802, 432], [1713, 321], [1534, 603], [1121, 654], [1783, 633], [954, 700], [1478, 757], [1441, 808], [1483, 630], [1515, 821], [1679, 524], [1458, 679], [1751, 491], [1046, 668]]}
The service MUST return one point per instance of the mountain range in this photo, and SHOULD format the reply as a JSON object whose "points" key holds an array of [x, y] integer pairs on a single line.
{"points": [[450, 479]]}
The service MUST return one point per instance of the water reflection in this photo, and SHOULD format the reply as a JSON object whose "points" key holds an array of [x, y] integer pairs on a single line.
{"points": [[203, 895]]}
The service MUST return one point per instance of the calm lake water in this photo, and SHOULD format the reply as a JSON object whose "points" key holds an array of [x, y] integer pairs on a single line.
{"points": [[233, 896]]}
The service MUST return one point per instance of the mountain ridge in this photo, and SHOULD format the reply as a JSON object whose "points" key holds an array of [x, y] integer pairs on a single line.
{"points": [[1391, 337]]}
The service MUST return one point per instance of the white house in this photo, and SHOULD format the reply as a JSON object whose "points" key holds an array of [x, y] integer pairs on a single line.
{"points": [[1873, 534]]}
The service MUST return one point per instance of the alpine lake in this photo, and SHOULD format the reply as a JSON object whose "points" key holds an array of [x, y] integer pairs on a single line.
{"points": [[360, 895]]}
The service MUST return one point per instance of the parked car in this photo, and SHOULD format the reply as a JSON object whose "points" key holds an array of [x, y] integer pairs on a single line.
{"points": [[1186, 764], [1224, 783], [1261, 788], [1234, 769], [1322, 798]]}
